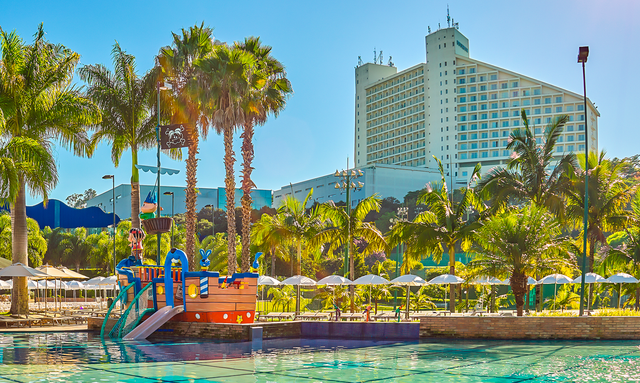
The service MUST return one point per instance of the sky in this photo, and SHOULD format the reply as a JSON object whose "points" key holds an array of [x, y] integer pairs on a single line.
{"points": [[319, 44]]}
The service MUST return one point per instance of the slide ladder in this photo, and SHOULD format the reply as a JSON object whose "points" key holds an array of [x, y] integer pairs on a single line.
{"points": [[122, 299], [134, 313], [154, 322]]}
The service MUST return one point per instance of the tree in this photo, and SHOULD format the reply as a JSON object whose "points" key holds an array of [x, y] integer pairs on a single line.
{"points": [[128, 122], [266, 94], [101, 253], [78, 200], [442, 226], [39, 103], [179, 66], [527, 176], [37, 244], [224, 81], [520, 243], [266, 236], [75, 248], [608, 197], [342, 229]]}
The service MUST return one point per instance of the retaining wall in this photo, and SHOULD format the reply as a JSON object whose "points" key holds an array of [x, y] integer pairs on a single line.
{"points": [[532, 327]]}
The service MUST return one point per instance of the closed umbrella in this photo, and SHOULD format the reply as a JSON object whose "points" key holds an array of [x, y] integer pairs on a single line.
{"points": [[299, 280], [621, 278], [408, 280], [555, 280]]}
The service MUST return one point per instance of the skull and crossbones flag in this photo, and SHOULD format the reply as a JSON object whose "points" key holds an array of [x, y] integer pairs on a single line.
{"points": [[175, 136]]}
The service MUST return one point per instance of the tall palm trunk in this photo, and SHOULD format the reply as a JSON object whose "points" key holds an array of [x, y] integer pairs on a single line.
{"points": [[230, 186], [190, 200], [299, 258], [273, 263], [135, 190], [519, 287], [352, 275], [247, 185], [452, 271], [19, 238]]}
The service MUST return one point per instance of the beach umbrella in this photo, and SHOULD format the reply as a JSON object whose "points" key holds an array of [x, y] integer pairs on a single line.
{"points": [[46, 284], [72, 274], [408, 280], [5, 285], [489, 281], [334, 280], [589, 278], [4, 262], [555, 280], [52, 273], [299, 280], [446, 279], [530, 281], [265, 280], [92, 284], [370, 279], [621, 278], [20, 270], [31, 285], [75, 285]]}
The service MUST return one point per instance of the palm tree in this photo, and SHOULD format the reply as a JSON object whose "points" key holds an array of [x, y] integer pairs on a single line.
{"points": [[266, 237], [101, 252], [609, 195], [76, 248], [342, 229], [520, 243], [179, 66], [128, 123], [527, 176], [39, 102], [267, 94], [223, 85], [628, 254], [442, 226]]}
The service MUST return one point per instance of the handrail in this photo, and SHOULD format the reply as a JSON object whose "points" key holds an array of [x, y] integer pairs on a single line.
{"points": [[119, 298], [119, 326]]}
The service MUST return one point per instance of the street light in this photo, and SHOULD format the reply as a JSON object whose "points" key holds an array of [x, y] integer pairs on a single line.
{"points": [[346, 183], [583, 53], [172, 206], [113, 206]]}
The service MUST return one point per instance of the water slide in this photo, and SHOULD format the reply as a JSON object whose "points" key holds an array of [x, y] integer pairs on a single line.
{"points": [[160, 317]]}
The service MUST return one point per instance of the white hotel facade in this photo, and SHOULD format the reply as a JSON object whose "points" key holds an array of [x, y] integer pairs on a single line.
{"points": [[459, 109]]}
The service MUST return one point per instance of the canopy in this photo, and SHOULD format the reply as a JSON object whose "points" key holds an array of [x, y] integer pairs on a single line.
{"points": [[555, 279], [72, 274], [265, 280], [52, 272], [31, 285], [409, 280], [622, 278], [154, 169], [75, 285], [370, 279], [530, 281], [110, 281], [334, 280], [299, 280], [93, 283], [446, 279], [486, 281], [5, 284], [4, 262], [590, 278], [20, 270], [46, 284]]}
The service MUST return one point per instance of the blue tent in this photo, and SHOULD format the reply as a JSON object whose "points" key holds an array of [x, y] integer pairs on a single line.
{"points": [[58, 214]]}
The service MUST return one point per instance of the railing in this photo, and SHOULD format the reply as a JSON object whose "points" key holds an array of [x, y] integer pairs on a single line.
{"points": [[134, 313], [121, 298]]}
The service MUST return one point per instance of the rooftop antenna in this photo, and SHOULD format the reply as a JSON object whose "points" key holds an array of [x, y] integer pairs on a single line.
{"points": [[375, 56], [380, 58], [390, 62], [359, 60], [438, 26], [448, 17], [455, 25], [429, 29]]}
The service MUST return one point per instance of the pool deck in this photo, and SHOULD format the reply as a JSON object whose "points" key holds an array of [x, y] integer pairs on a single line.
{"points": [[61, 328]]}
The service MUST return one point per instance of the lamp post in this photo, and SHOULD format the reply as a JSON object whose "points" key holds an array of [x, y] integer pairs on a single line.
{"points": [[159, 86], [172, 206], [583, 53], [346, 183], [113, 206]]}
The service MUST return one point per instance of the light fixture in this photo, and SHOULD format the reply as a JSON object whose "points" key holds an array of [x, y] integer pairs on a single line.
{"points": [[583, 53], [107, 177], [337, 174]]}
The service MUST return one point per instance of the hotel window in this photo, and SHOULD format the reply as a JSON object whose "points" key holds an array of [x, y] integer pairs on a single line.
{"points": [[472, 98], [460, 81], [460, 71], [473, 127], [537, 92], [473, 107], [559, 148], [580, 127], [463, 127], [547, 100], [547, 120], [494, 124], [560, 139], [494, 115], [570, 128], [558, 109], [463, 137], [494, 153], [570, 138], [484, 135], [515, 113], [462, 99], [494, 96], [516, 123], [484, 145], [483, 116], [483, 78], [547, 110], [505, 113], [494, 134], [494, 77], [537, 131], [472, 89], [463, 108], [569, 108], [536, 101], [559, 99], [472, 79], [526, 102], [505, 124], [580, 137], [581, 117], [514, 84], [514, 94], [570, 148], [581, 148], [474, 136], [474, 145], [485, 154], [483, 97], [505, 153], [463, 146], [463, 156], [536, 111], [505, 133], [472, 70], [504, 85], [505, 142], [483, 88], [526, 93], [483, 107], [474, 155], [515, 104], [464, 174], [580, 107], [494, 86], [494, 105]]}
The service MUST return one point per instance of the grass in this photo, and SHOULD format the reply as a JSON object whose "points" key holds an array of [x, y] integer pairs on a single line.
{"points": [[616, 313]]}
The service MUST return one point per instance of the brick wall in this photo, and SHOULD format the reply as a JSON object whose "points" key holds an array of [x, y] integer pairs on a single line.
{"points": [[227, 331], [531, 327]]}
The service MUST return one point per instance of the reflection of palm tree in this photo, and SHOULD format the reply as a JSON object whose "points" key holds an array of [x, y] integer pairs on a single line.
{"points": [[442, 226], [39, 103], [127, 121]]}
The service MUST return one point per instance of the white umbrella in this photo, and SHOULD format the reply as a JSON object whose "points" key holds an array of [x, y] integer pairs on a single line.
{"points": [[46, 284], [299, 280], [5, 285], [72, 274], [621, 278], [265, 280], [20, 270], [530, 281], [555, 280], [31, 285], [110, 281], [75, 285], [590, 278], [92, 284], [371, 279], [446, 279], [408, 280], [486, 281], [334, 280]]}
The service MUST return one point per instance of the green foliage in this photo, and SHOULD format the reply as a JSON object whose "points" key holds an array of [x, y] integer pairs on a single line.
{"points": [[615, 313], [37, 244], [563, 300], [617, 239]]}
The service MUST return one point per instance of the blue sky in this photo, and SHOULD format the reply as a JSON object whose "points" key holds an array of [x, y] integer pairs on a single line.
{"points": [[319, 43]]}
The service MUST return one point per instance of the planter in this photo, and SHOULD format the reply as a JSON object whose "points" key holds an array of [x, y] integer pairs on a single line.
{"points": [[157, 225]]}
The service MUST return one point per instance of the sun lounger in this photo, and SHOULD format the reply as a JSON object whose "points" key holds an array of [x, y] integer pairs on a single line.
{"points": [[384, 316], [276, 315], [351, 316]]}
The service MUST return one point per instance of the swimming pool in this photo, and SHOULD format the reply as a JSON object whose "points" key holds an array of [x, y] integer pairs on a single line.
{"points": [[82, 357]]}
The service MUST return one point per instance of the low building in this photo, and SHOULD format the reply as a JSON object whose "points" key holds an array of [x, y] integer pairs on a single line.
{"points": [[381, 179], [206, 196]]}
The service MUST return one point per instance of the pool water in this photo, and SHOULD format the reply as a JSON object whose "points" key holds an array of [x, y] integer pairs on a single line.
{"points": [[82, 357]]}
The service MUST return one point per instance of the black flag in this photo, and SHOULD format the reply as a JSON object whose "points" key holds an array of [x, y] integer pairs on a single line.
{"points": [[175, 136]]}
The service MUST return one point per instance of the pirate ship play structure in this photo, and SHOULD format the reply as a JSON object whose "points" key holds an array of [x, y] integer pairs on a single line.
{"points": [[150, 296]]}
